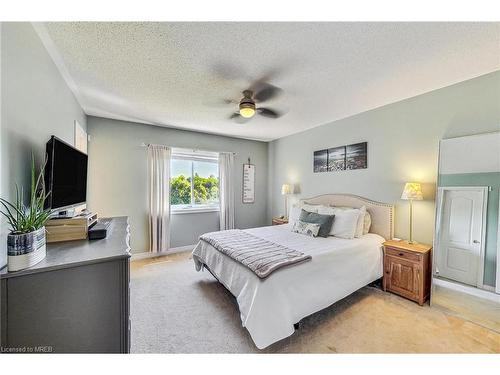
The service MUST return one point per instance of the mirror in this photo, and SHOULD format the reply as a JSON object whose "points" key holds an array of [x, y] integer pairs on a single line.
{"points": [[466, 255]]}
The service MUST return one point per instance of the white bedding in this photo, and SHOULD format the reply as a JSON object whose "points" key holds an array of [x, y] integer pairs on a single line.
{"points": [[270, 307]]}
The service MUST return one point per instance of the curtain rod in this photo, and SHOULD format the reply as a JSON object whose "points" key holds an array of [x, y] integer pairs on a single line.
{"points": [[188, 148]]}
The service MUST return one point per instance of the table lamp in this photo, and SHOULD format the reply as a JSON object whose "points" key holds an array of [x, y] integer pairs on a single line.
{"points": [[285, 190], [411, 192]]}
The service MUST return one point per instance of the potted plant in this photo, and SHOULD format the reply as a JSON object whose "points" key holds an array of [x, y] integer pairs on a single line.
{"points": [[26, 240]]}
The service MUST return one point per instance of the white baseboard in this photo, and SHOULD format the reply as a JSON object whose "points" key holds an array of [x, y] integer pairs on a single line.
{"points": [[489, 288], [173, 250], [489, 295]]}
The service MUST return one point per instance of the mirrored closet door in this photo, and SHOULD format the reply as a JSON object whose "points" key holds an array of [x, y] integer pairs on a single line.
{"points": [[466, 259]]}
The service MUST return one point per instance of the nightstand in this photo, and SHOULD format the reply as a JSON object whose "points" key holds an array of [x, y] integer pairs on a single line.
{"points": [[279, 221], [407, 270]]}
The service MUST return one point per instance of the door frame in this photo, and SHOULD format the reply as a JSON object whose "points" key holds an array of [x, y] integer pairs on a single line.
{"points": [[497, 280], [439, 207]]}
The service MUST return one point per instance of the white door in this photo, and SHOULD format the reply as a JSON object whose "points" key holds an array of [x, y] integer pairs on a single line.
{"points": [[460, 249]]}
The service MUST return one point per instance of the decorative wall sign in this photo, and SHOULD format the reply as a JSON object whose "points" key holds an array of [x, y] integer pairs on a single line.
{"points": [[248, 183], [341, 158]]}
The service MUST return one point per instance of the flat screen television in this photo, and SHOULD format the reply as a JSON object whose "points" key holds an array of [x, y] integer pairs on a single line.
{"points": [[65, 175]]}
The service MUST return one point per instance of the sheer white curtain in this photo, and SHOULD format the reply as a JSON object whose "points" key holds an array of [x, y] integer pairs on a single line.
{"points": [[159, 197], [226, 190]]}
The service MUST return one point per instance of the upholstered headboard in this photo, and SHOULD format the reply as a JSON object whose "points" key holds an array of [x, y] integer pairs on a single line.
{"points": [[382, 214]]}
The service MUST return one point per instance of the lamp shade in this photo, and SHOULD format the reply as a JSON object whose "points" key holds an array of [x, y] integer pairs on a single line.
{"points": [[412, 190], [286, 189]]}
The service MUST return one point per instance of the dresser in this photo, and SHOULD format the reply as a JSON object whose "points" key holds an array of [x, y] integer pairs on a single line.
{"points": [[76, 300], [407, 270]]}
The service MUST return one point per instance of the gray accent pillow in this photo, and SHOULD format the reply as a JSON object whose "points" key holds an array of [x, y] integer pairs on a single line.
{"points": [[325, 221]]}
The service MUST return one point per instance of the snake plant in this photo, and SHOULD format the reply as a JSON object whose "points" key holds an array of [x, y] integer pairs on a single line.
{"points": [[25, 219]]}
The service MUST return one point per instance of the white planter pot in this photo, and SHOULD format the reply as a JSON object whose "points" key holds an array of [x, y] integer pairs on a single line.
{"points": [[25, 250]]}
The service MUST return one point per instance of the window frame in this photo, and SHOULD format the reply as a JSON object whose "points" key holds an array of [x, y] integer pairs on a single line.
{"points": [[192, 156]]}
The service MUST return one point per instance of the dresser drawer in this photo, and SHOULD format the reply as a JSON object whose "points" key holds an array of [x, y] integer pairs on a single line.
{"points": [[408, 255]]}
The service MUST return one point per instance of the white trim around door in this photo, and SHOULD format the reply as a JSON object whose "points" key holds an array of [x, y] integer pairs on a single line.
{"points": [[497, 287]]}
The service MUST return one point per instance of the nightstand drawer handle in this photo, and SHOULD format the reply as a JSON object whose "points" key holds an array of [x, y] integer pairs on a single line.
{"points": [[401, 254], [387, 272]]}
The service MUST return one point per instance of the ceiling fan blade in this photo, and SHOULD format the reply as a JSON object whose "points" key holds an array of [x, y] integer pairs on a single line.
{"points": [[227, 71], [238, 118], [266, 92], [269, 113], [220, 103]]}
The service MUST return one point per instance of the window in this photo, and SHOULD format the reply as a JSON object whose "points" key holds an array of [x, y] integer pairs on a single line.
{"points": [[194, 181]]}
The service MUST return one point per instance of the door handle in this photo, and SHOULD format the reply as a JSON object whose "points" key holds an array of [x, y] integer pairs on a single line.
{"points": [[476, 241]]}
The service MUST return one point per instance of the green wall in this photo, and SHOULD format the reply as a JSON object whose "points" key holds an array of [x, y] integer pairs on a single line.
{"points": [[403, 142], [482, 179], [118, 184]]}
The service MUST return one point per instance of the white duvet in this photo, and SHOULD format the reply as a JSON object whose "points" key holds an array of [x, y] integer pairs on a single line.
{"points": [[270, 307]]}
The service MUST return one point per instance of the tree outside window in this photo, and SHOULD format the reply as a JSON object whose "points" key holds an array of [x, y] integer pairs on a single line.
{"points": [[194, 183]]}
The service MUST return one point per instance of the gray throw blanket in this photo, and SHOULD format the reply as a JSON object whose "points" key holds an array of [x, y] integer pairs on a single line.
{"points": [[261, 256]]}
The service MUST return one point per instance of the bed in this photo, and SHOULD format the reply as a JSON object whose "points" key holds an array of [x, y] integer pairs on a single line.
{"points": [[270, 307]]}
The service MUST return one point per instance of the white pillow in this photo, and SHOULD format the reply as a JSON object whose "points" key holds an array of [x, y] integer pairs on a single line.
{"points": [[294, 214], [361, 222], [310, 207], [345, 221], [325, 210], [367, 223], [361, 218], [295, 210]]}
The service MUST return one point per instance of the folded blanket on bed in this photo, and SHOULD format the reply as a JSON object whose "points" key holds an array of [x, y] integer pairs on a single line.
{"points": [[261, 256]]}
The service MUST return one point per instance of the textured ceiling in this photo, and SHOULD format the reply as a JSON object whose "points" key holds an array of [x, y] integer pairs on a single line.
{"points": [[175, 74]]}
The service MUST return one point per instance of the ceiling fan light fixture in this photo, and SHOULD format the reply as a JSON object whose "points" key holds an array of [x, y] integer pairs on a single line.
{"points": [[247, 110]]}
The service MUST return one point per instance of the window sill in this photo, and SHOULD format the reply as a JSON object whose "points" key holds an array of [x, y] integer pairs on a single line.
{"points": [[194, 210]]}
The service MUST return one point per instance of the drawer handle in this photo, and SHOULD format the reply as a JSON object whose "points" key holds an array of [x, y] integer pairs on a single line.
{"points": [[401, 254], [387, 272]]}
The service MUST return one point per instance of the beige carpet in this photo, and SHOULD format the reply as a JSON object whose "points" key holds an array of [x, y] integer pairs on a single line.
{"points": [[177, 310]]}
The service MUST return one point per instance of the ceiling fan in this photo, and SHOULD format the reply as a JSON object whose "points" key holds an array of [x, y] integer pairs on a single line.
{"points": [[248, 105], [253, 97]]}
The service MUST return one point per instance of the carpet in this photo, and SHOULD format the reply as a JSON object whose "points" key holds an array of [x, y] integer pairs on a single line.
{"points": [[175, 309]]}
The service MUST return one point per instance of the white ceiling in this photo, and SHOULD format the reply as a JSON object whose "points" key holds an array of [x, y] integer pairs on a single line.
{"points": [[173, 74]]}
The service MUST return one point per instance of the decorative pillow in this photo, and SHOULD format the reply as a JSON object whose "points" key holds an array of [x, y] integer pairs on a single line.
{"points": [[367, 223], [309, 229], [325, 221], [345, 223]]}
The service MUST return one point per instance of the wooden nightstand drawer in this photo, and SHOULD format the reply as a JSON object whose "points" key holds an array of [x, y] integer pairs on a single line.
{"points": [[403, 254]]}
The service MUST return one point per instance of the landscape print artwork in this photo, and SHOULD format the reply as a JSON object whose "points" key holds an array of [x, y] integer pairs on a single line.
{"points": [[320, 161], [355, 156], [341, 158], [336, 159]]}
